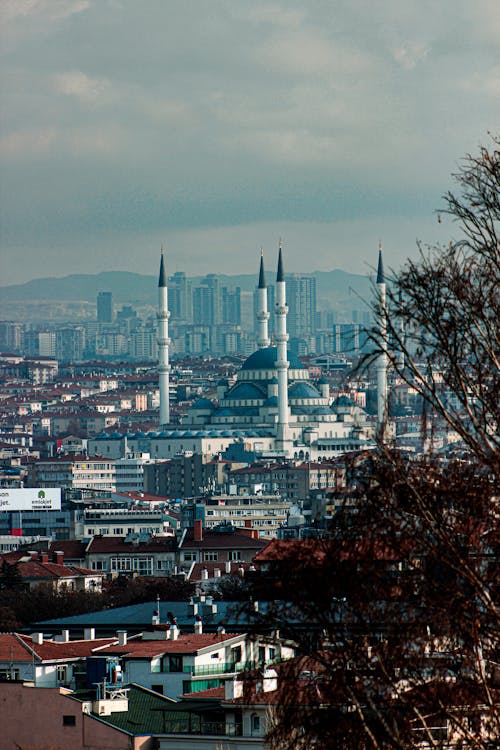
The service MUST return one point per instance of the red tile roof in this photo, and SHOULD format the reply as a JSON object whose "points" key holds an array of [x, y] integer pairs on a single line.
{"points": [[185, 644], [223, 540], [103, 544], [73, 549], [15, 647], [211, 567]]}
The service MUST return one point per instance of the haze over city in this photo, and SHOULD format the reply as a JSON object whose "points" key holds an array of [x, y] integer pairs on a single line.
{"points": [[220, 127]]}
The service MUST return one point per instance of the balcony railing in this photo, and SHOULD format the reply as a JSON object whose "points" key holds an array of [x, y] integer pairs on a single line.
{"points": [[220, 668], [217, 728]]}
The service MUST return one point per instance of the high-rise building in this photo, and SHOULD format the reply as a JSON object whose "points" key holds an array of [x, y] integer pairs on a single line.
{"points": [[70, 343], [180, 297], [207, 301], [301, 300], [11, 336], [104, 307], [231, 306]]}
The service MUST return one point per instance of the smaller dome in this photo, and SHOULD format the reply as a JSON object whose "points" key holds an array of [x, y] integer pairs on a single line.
{"points": [[202, 403], [303, 390], [344, 401], [244, 390], [271, 401]]}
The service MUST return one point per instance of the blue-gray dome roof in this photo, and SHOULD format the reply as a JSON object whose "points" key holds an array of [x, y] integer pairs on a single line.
{"points": [[303, 390], [244, 390], [344, 401], [202, 403], [265, 359], [271, 401]]}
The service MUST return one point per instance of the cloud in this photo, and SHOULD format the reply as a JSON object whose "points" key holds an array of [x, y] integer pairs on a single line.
{"points": [[82, 87], [188, 116], [409, 54], [28, 143], [52, 10]]}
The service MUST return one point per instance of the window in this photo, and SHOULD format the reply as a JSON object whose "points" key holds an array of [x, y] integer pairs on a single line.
{"points": [[235, 555], [69, 720], [211, 556], [236, 654], [62, 673], [262, 653], [172, 663], [255, 723], [157, 689]]}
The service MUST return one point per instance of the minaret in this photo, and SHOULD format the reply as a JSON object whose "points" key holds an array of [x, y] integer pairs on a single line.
{"points": [[281, 337], [401, 358], [163, 344], [382, 358], [262, 313]]}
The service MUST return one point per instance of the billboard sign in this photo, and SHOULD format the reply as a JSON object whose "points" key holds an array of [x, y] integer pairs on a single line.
{"points": [[32, 498]]}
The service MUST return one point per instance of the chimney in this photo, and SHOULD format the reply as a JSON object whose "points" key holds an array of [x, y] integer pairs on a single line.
{"points": [[204, 574], [33, 554], [216, 572], [174, 632], [228, 566], [89, 634], [198, 626], [59, 557], [63, 638], [248, 523], [198, 530], [44, 557], [37, 638], [122, 637], [233, 689]]}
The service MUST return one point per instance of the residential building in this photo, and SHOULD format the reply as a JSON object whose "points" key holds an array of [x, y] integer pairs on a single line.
{"points": [[104, 307], [73, 472], [171, 663], [132, 555], [218, 545], [33, 569]]}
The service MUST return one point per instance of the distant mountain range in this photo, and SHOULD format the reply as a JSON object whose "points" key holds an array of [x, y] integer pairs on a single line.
{"points": [[134, 288]]}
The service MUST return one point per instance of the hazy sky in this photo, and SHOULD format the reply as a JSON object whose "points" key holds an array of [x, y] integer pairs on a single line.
{"points": [[218, 126]]}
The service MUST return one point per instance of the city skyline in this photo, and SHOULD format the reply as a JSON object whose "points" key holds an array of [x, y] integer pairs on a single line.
{"points": [[220, 131]]}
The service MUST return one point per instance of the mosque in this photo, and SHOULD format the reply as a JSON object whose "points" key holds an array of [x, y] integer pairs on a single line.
{"points": [[273, 408]]}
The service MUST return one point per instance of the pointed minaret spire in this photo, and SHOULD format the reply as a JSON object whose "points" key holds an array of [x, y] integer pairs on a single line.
{"points": [[162, 280], [382, 358], [283, 440], [380, 268], [262, 312], [262, 276], [280, 276], [163, 315]]}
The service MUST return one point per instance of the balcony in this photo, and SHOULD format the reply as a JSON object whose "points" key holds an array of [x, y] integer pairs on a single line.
{"points": [[213, 728], [220, 668]]}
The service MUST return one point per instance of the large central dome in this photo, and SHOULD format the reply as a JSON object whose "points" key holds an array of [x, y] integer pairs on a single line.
{"points": [[265, 359]]}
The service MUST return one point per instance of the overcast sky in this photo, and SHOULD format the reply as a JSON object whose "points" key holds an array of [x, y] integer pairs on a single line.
{"points": [[218, 126]]}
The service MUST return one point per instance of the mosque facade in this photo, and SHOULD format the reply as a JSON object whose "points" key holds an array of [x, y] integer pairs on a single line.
{"points": [[273, 408]]}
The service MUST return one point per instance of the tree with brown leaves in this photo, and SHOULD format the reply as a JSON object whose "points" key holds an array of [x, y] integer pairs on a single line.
{"points": [[396, 612]]}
